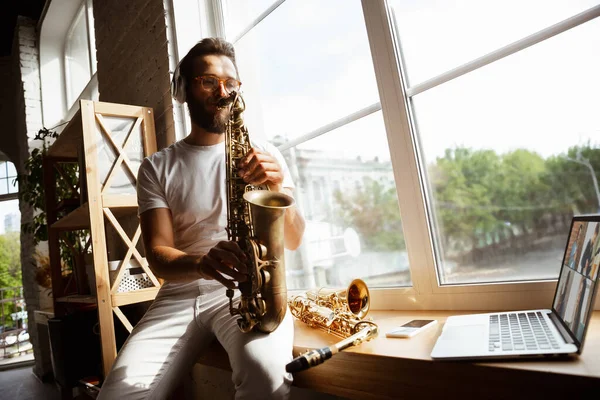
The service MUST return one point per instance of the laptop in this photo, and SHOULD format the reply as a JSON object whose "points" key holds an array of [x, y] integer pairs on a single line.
{"points": [[557, 331]]}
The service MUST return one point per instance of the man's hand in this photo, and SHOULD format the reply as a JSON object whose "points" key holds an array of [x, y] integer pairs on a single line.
{"points": [[224, 260], [259, 168]]}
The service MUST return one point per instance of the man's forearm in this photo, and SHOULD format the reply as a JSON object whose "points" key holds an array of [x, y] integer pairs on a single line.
{"points": [[173, 265]]}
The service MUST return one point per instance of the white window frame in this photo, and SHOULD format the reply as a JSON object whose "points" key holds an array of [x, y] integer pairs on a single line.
{"points": [[426, 292]]}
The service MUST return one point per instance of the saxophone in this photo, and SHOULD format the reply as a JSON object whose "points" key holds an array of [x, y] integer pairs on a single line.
{"points": [[341, 313], [255, 221]]}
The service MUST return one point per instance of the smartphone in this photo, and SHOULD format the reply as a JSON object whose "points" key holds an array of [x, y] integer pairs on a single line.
{"points": [[411, 328]]}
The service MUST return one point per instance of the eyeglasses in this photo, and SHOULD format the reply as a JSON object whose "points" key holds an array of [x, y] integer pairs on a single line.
{"points": [[211, 83]]}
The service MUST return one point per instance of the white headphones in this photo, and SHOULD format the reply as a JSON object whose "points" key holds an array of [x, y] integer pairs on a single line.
{"points": [[178, 85]]}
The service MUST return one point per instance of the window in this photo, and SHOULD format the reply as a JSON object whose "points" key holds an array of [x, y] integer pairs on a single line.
{"points": [[499, 143], [80, 52], [449, 144], [305, 66], [67, 54], [8, 176]]}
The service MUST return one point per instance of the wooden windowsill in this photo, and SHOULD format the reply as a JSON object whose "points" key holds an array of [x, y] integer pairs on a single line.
{"points": [[387, 368]]}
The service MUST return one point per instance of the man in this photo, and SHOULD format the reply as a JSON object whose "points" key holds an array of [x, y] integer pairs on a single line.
{"points": [[587, 256], [183, 213]]}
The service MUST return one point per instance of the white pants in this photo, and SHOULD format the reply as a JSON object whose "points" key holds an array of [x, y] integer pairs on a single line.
{"points": [[177, 327]]}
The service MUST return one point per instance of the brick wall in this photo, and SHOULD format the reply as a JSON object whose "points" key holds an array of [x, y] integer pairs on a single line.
{"points": [[21, 114], [31, 109], [30, 77], [133, 63]]}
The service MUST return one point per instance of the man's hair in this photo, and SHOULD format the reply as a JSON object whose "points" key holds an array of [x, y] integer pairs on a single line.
{"points": [[208, 46], [184, 73]]}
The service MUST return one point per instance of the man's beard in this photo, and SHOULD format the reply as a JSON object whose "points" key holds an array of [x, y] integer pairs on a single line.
{"points": [[213, 123]]}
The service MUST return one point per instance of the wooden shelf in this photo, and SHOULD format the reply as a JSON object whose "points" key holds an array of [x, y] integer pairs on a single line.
{"points": [[69, 140], [117, 201], [77, 298], [80, 217], [75, 220], [68, 204], [77, 143], [42, 316], [135, 296]]}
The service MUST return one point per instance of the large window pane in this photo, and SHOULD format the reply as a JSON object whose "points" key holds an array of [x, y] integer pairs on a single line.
{"points": [[77, 54], [3, 169], [240, 13], [437, 36], [512, 152], [305, 65], [12, 171], [345, 189], [8, 175]]}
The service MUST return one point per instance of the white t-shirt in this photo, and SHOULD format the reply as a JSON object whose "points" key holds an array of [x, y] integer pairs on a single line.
{"points": [[191, 182]]}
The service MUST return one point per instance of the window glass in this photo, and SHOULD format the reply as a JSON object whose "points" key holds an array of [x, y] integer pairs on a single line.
{"points": [[12, 171], [10, 217], [437, 36], [345, 189], [77, 55], [241, 13], [512, 152], [8, 175], [305, 65], [13, 185]]}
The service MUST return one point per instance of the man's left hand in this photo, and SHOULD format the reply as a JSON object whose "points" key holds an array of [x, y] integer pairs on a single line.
{"points": [[259, 167]]}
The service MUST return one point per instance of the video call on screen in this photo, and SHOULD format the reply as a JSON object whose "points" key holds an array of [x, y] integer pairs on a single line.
{"points": [[579, 275]]}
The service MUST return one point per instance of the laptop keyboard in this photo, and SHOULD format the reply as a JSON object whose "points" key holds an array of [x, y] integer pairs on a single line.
{"points": [[520, 331]]}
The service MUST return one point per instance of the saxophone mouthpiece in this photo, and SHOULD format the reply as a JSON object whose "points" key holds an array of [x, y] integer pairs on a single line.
{"points": [[225, 101]]}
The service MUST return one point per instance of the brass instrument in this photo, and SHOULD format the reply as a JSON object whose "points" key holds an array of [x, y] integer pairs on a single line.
{"points": [[255, 220], [341, 313]]}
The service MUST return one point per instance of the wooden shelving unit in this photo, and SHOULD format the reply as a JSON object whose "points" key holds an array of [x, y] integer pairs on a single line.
{"points": [[108, 142]]}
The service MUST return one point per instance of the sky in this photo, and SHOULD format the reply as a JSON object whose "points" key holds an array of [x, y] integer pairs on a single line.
{"points": [[309, 63]]}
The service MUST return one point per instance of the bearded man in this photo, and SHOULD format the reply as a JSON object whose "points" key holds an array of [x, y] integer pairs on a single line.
{"points": [[182, 199]]}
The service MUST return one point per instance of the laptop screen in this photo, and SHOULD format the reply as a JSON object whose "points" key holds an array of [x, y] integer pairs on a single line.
{"points": [[573, 301]]}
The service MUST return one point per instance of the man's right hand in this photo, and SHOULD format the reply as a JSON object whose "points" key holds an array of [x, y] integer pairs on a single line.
{"points": [[225, 260]]}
